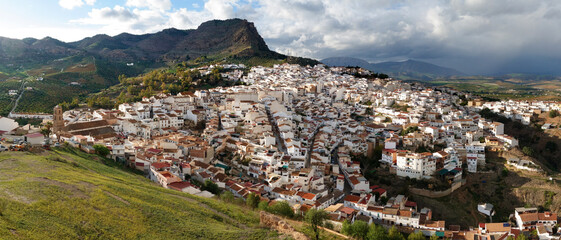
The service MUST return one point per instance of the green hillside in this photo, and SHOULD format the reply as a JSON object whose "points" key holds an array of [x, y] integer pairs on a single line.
{"points": [[64, 194]]}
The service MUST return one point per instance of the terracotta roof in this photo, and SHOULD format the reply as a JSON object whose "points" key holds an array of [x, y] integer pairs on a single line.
{"points": [[179, 185], [352, 198], [529, 217], [160, 165]]}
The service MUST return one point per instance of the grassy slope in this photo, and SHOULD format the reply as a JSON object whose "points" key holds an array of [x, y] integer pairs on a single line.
{"points": [[64, 195]]}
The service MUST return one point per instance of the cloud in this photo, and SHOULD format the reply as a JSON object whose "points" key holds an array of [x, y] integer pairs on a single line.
{"points": [[221, 9], [70, 4], [475, 36], [108, 16], [162, 5]]}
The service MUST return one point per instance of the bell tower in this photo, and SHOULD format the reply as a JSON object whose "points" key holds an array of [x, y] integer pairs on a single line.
{"points": [[58, 122]]}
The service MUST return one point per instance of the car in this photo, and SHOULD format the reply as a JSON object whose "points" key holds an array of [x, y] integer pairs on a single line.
{"points": [[57, 144], [3, 148]]}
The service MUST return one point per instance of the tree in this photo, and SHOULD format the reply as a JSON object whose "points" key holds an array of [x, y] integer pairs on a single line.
{"points": [[122, 78], [359, 230], [46, 129], [252, 200], [521, 236], [282, 208], [434, 237], [416, 236], [316, 219], [394, 234], [346, 228], [553, 113], [377, 232], [210, 186], [101, 150], [369, 111], [528, 151]]}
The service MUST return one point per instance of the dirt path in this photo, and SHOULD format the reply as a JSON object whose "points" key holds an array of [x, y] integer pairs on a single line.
{"points": [[334, 232], [117, 198]]}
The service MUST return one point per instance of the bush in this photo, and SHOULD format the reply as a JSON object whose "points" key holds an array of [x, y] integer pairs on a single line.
{"points": [[263, 206], [227, 196], [282, 208], [210, 186], [528, 151], [553, 113], [252, 200], [101, 150]]}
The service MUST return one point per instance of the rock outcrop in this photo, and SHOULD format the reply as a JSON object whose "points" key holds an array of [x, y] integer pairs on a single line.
{"points": [[274, 222]]}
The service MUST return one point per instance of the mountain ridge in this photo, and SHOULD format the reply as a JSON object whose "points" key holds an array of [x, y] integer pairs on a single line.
{"points": [[409, 69], [95, 63], [221, 38]]}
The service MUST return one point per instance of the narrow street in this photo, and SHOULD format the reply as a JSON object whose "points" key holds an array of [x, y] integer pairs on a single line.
{"points": [[311, 146], [280, 141], [335, 160]]}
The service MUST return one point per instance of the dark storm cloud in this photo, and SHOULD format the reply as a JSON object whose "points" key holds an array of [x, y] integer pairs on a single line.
{"points": [[476, 36]]}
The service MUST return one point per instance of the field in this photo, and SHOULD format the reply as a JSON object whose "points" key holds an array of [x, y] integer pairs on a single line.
{"points": [[506, 87], [64, 194]]}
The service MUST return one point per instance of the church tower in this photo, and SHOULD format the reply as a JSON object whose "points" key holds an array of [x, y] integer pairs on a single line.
{"points": [[58, 122]]}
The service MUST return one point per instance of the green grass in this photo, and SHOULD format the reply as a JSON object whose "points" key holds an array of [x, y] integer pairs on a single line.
{"points": [[65, 194]]}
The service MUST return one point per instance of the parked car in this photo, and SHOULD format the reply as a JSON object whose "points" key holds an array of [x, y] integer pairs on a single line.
{"points": [[3, 148]]}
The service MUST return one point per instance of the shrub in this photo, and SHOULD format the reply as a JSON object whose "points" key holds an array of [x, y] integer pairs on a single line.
{"points": [[553, 113], [282, 208], [101, 150]]}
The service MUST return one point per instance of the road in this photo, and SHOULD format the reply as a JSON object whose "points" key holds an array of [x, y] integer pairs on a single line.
{"points": [[22, 90]]}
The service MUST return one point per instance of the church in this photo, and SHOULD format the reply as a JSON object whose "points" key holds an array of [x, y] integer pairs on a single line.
{"points": [[98, 129]]}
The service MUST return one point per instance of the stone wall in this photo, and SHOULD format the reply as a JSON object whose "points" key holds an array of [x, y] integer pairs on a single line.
{"points": [[437, 194], [274, 222]]}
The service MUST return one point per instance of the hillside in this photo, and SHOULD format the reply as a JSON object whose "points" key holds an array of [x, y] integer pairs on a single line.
{"points": [[94, 63], [64, 194], [409, 69]]}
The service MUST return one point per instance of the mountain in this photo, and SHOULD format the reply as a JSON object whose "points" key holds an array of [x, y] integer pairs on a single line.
{"points": [[68, 194], [220, 38], [94, 63], [409, 69]]}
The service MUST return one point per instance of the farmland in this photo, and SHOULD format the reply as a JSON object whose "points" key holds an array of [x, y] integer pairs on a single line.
{"points": [[513, 86]]}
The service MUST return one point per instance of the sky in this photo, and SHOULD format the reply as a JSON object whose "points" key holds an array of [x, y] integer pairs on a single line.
{"points": [[473, 36]]}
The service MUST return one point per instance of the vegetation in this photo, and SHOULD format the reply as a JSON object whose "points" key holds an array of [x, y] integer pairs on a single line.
{"points": [[528, 151], [210, 186], [281, 208], [67, 194], [361, 230], [532, 140], [252, 200], [101, 150], [410, 129], [316, 218], [553, 113]]}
